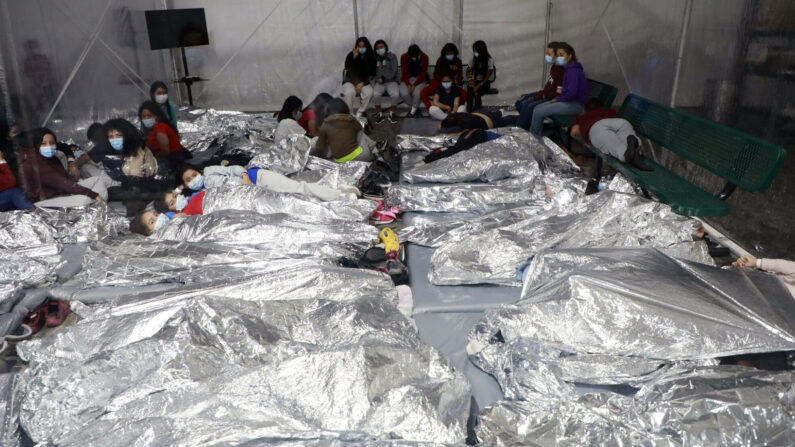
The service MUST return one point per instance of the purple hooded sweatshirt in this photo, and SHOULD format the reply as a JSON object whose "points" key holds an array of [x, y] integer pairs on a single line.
{"points": [[575, 86]]}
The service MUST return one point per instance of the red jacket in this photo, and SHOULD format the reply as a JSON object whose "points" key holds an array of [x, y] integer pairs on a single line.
{"points": [[7, 179], [43, 178], [405, 60], [554, 81], [591, 117], [195, 205]]}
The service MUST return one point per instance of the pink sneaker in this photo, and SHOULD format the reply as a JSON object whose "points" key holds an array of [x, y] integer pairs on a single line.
{"points": [[382, 217]]}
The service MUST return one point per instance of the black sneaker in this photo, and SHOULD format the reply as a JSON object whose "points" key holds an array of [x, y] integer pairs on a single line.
{"points": [[411, 114], [380, 145], [379, 118], [391, 118], [633, 155]]}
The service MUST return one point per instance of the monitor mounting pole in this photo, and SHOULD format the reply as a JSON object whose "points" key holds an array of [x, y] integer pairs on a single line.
{"points": [[188, 80]]}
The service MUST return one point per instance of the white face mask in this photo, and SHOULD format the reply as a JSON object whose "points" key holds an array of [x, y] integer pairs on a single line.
{"points": [[161, 221], [197, 183], [161, 99], [182, 202]]}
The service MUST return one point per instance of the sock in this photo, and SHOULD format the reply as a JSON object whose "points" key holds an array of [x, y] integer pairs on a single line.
{"points": [[413, 110]]}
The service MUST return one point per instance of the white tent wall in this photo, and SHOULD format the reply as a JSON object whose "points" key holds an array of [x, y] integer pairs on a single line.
{"points": [[642, 38], [260, 52], [116, 65], [310, 39], [515, 35]]}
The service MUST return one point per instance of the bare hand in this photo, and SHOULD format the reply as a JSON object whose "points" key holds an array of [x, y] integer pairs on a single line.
{"points": [[181, 215], [552, 101], [411, 90], [245, 179], [1, 157], [355, 50], [100, 199], [380, 80], [359, 86], [745, 261]]}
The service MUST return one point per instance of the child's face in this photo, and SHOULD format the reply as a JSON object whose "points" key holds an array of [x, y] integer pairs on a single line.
{"points": [[171, 201], [189, 175], [149, 219]]}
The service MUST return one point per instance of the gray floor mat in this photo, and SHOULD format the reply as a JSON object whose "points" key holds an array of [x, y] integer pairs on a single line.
{"points": [[445, 314], [420, 126]]}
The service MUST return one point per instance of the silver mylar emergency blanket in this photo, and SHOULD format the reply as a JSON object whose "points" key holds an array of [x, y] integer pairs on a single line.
{"points": [[715, 406], [267, 359], [622, 316], [278, 231], [491, 249], [505, 157], [265, 201], [200, 128]]}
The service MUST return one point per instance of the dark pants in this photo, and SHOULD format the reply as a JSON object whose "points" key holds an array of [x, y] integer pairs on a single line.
{"points": [[475, 96], [14, 199]]}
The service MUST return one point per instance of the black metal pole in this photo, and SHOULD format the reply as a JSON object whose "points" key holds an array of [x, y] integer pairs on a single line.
{"points": [[187, 75]]}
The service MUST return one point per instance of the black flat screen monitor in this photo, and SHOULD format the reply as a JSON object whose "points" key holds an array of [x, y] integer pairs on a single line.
{"points": [[175, 28]]}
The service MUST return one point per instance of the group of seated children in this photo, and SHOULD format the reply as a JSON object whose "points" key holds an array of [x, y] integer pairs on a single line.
{"points": [[36, 170], [375, 73]]}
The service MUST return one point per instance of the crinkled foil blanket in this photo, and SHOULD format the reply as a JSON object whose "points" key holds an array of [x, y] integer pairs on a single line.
{"points": [[622, 316], [238, 327]]}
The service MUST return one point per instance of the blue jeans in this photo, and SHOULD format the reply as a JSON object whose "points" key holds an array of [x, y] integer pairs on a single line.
{"points": [[14, 199], [526, 112], [527, 97], [556, 108]]}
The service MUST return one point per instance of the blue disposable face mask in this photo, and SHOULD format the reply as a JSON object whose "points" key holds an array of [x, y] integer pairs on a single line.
{"points": [[47, 151], [197, 183], [548, 58], [381, 51], [161, 221], [117, 143], [450, 57], [560, 60], [447, 85], [476, 54], [182, 202], [297, 115], [148, 123], [362, 50], [414, 59]]}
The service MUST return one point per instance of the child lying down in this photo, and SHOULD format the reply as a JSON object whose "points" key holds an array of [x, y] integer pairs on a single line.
{"points": [[195, 179], [252, 200], [290, 234]]}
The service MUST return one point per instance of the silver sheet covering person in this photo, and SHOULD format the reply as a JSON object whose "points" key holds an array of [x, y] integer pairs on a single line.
{"points": [[492, 249], [251, 361], [726, 406], [622, 316]]}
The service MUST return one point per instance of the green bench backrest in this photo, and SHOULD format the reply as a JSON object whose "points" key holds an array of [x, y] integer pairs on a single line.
{"points": [[749, 162], [605, 92]]}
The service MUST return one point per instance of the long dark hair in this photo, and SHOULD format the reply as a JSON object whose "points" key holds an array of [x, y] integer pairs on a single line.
{"points": [[155, 109], [369, 54], [337, 105], [319, 105], [414, 50], [447, 48], [482, 61], [133, 141], [568, 49], [290, 105], [156, 85]]}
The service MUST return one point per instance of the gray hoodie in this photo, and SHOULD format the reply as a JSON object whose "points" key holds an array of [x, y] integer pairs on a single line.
{"points": [[387, 67]]}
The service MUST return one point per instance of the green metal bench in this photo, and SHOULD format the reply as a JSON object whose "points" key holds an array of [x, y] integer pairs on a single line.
{"points": [[742, 160]]}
